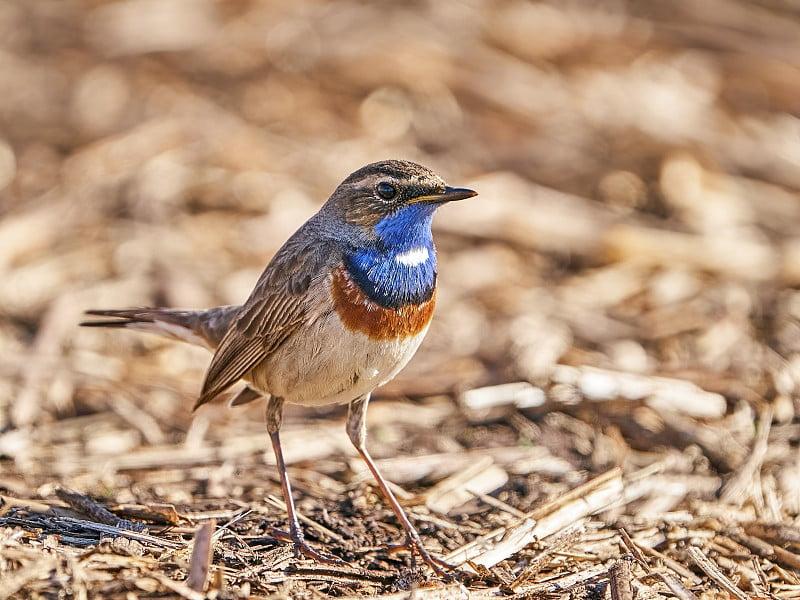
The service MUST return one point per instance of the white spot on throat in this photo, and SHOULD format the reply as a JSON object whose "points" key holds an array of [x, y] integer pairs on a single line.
{"points": [[413, 257]]}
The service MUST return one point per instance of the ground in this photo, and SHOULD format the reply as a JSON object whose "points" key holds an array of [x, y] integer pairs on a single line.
{"points": [[607, 401]]}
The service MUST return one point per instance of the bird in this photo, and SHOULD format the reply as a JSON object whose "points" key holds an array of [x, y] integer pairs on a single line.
{"points": [[339, 310]]}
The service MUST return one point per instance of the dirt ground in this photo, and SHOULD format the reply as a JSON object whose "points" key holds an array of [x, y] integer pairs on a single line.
{"points": [[606, 405]]}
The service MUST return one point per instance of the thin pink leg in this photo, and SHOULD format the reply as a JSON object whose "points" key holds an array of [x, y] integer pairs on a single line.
{"points": [[274, 417], [356, 429]]}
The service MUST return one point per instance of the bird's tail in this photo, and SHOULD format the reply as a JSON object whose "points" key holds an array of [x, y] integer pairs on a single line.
{"points": [[201, 327]]}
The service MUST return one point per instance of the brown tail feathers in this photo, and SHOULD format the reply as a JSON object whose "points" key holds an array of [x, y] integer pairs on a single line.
{"points": [[201, 327]]}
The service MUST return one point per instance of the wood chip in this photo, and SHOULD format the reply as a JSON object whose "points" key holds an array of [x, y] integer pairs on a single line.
{"points": [[481, 478], [710, 569], [202, 553]]}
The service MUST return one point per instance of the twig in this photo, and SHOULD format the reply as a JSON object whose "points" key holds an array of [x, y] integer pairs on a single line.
{"points": [[498, 504], [452, 591], [134, 535], [558, 543], [481, 477], [767, 550], [556, 515], [676, 587], [562, 584], [710, 569], [85, 505], [202, 553], [634, 550], [7, 502]]}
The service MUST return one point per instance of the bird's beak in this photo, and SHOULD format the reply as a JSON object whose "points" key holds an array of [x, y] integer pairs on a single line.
{"points": [[448, 195]]}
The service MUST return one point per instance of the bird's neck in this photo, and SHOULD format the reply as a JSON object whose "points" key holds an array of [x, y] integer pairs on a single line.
{"points": [[399, 268]]}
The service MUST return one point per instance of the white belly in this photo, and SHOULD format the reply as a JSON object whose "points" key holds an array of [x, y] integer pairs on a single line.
{"points": [[330, 364]]}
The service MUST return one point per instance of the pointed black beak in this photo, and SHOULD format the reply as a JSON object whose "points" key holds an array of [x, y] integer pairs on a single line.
{"points": [[448, 195]]}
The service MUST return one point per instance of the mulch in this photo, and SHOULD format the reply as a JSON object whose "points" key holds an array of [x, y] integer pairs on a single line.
{"points": [[607, 402]]}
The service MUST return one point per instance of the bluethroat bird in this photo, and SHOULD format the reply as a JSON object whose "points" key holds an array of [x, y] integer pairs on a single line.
{"points": [[340, 310]]}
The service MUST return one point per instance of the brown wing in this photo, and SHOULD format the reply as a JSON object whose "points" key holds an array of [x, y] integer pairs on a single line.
{"points": [[277, 307]]}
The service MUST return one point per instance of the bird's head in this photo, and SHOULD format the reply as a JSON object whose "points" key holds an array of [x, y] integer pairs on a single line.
{"points": [[393, 200]]}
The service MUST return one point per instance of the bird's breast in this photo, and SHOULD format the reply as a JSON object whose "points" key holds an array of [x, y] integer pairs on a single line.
{"points": [[360, 314]]}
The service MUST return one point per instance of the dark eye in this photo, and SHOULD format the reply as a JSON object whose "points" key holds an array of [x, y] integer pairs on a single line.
{"points": [[386, 190]]}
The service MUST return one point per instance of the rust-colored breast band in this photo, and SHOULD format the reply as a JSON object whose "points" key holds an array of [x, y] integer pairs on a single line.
{"points": [[358, 313]]}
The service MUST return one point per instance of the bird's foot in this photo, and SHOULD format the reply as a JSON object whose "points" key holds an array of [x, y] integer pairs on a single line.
{"points": [[301, 548], [414, 545]]}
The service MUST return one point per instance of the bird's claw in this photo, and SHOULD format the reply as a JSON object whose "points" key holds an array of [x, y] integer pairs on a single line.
{"points": [[437, 565]]}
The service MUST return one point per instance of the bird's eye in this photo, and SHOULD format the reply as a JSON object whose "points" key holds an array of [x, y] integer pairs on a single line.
{"points": [[386, 190]]}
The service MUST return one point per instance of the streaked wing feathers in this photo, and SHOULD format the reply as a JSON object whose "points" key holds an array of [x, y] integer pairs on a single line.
{"points": [[276, 308]]}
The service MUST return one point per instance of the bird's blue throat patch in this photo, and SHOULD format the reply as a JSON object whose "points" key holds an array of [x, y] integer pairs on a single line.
{"points": [[400, 267]]}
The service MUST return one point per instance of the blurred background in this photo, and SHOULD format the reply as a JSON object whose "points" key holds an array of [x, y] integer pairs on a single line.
{"points": [[638, 165]]}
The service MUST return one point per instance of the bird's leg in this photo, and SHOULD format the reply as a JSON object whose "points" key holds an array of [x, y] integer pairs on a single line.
{"points": [[274, 417], [357, 430]]}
